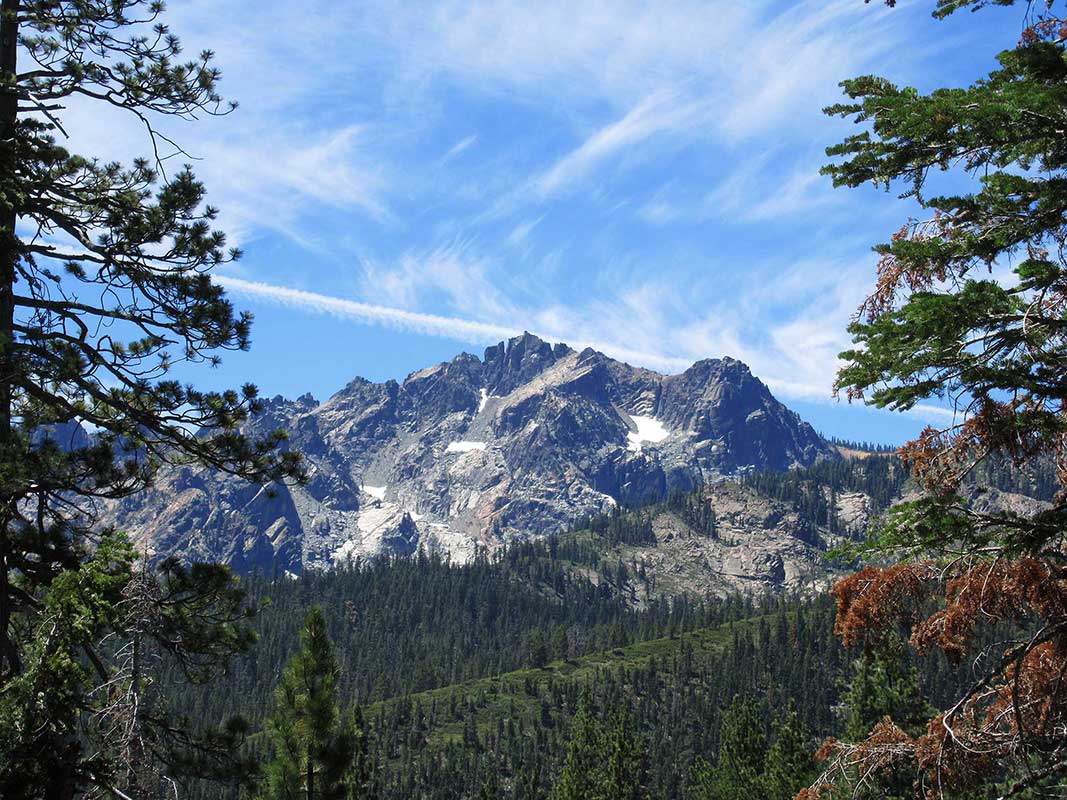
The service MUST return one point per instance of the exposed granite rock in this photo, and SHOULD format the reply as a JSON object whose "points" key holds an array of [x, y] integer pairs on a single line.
{"points": [[472, 452], [995, 501], [203, 516], [854, 512], [760, 545]]}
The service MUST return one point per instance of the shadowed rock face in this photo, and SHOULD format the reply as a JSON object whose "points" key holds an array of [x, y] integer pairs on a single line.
{"points": [[471, 452], [202, 516]]}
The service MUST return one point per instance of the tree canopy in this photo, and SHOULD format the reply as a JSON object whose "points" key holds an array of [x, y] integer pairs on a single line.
{"points": [[105, 286], [969, 308]]}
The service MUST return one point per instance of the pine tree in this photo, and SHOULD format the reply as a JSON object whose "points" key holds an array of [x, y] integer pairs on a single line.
{"points": [[581, 777], [185, 620], [108, 290], [104, 287], [789, 765], [883, 685], [738, 771], [626, 771], [40, 708], [88, 712], [314, 750], [938, 324], [360, 778], [536, 649], [111, 252]]}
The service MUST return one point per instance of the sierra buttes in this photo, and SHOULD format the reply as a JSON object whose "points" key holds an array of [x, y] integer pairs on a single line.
{"points": [[471, 453]]}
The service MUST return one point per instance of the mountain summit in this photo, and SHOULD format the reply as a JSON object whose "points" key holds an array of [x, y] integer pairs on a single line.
{"points": [[472, 452]]}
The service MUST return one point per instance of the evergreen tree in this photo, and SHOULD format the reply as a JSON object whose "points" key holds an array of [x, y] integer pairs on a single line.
{"points": [[537, 650], [182, 620], [625, 774], [883, 685], [89, 711], [107, 291], [487, 791], [314, 750], [789, 765], [360, 776], [582, 775], [738, 771], [40, 707], [938, 325]]}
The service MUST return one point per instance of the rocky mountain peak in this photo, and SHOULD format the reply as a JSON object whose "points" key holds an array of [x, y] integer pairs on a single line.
{"points": [[471, 452], [510, 364]]}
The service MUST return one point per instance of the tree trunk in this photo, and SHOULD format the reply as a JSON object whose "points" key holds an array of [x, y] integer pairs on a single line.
{"points": [[9, 106], [311, 775]]}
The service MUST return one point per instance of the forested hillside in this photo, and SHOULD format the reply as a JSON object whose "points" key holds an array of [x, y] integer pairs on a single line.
{"points": [[469, 676]]}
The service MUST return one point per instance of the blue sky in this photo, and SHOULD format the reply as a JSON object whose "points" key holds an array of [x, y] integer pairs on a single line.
{"points": [[410, 180]]}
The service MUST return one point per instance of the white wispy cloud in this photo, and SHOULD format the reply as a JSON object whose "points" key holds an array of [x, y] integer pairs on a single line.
{"points": [[332, 112], [761, 190], [463, 144], [454, 275], [792, 62], [279, 180], [616, 49], [263, 178], [659, 112], [521, 232]]}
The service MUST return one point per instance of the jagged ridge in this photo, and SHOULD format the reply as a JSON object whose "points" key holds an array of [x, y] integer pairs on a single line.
{"points": [[472, 452]]}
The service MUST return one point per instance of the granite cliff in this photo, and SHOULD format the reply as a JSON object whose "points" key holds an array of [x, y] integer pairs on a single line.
{"points": [[472, 452]]}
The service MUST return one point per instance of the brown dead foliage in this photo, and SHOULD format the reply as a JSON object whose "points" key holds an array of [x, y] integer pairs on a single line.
{"points": [[883, 753], [940, 459], [897, 278], [1018, 707], [1032, 701], [985, 593], [874, 601]]}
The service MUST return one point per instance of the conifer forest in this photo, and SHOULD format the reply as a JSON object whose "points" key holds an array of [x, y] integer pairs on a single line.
{"points": [[611, 558]]}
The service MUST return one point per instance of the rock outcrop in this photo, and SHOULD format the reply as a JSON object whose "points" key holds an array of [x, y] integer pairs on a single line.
{"points": [[472, 452]]}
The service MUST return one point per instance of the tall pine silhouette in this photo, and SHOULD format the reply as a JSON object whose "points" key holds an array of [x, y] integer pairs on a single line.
{"points": [[315, 750], [105, 287]]}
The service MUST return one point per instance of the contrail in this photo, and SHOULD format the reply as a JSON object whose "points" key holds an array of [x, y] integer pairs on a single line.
{"points": [[449, 327], [464, 330]]}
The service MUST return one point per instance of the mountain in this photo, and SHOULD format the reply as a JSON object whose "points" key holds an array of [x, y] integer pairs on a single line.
{"points": [[725, 539], [473, 452]]}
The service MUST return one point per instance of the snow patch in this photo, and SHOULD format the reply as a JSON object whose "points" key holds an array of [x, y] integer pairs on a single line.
{"points": [[464, 447], [484, 399], [377, 492], [649, 429]]}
